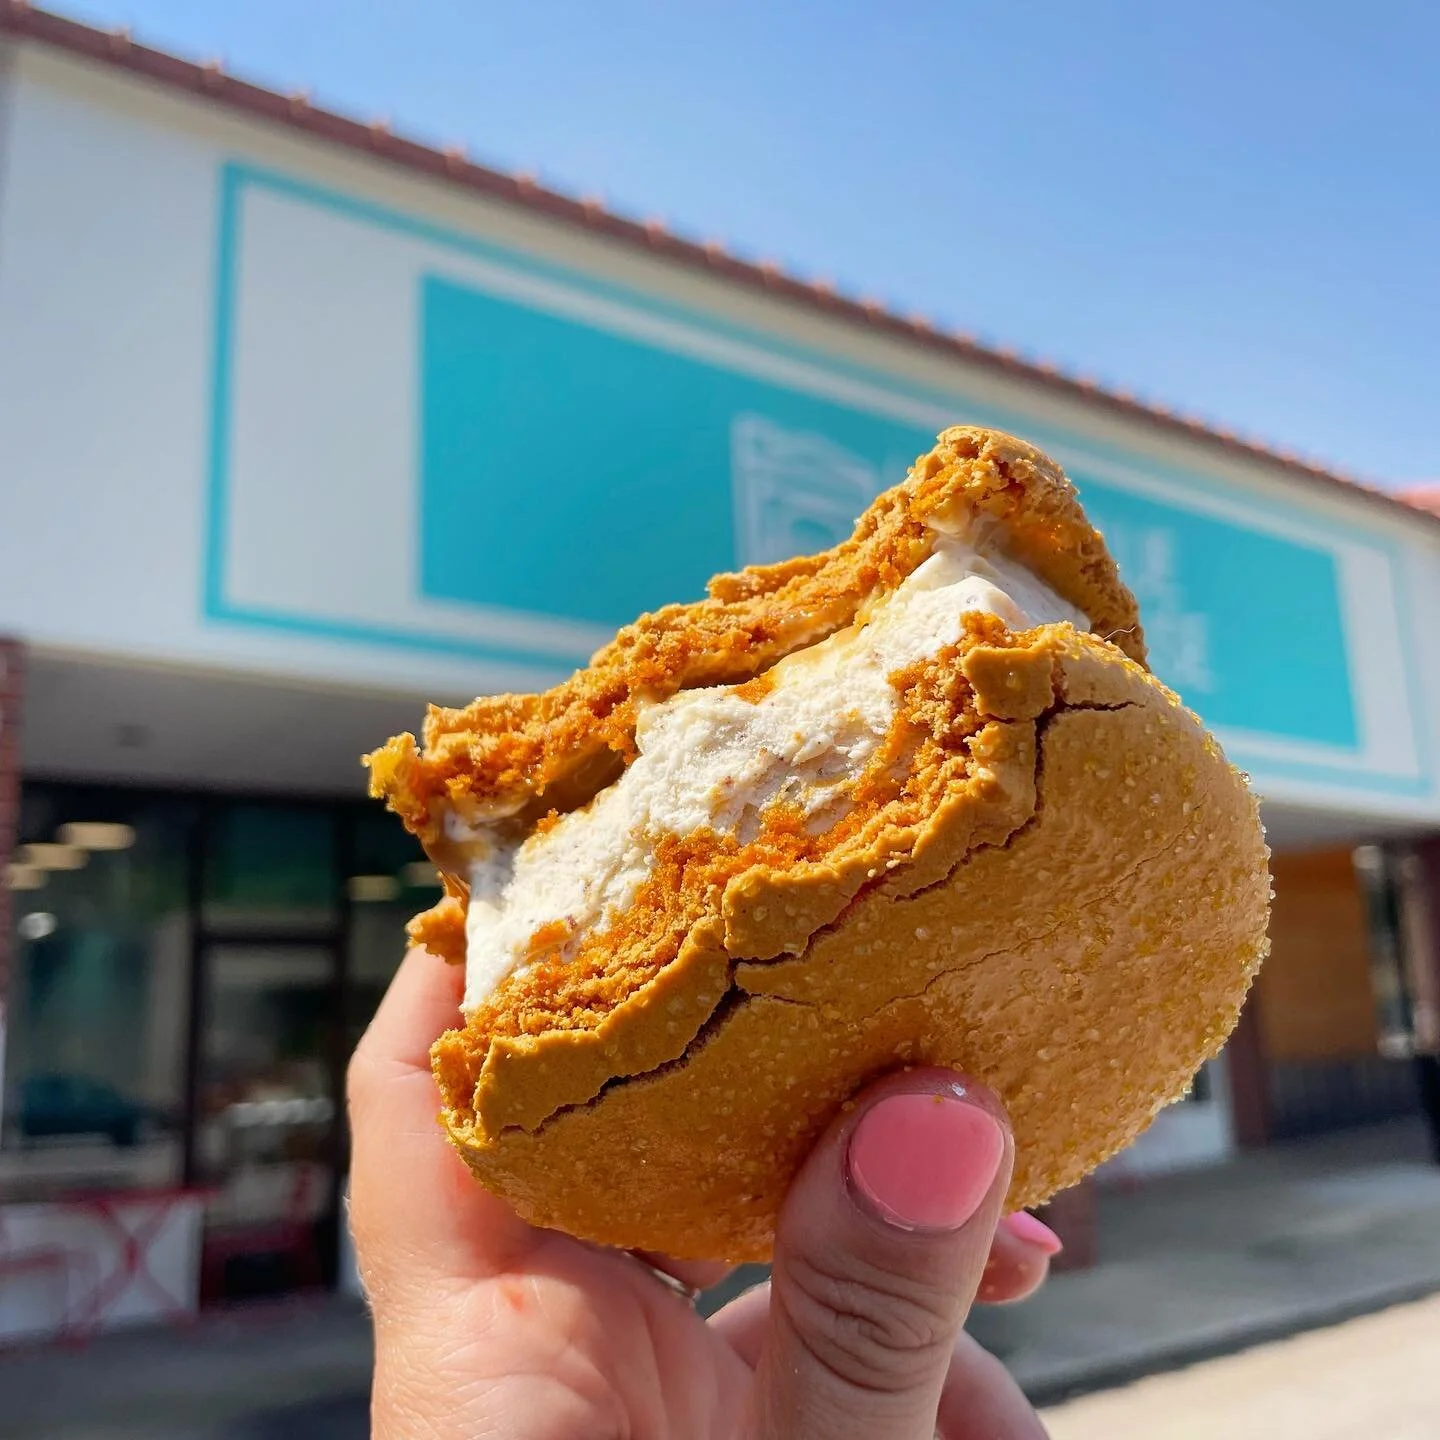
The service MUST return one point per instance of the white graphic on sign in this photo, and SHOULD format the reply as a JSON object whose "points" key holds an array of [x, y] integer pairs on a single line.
{"points": [[1178, 639], [795, 492]]}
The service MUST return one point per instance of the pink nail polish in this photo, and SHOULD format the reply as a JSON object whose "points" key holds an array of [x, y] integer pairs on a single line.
{"points": [[1025, 1227], [924, 1161]]}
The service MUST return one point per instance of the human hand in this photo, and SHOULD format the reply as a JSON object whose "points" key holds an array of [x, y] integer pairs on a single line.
{"points": [[486, 1326]]}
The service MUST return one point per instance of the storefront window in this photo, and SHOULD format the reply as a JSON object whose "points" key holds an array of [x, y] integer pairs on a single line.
{"points": [[98, 993], [188, 977], [270, 869]]}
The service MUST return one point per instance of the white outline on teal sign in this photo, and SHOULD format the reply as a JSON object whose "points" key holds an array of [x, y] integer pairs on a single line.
{"points": [[235, 177]]}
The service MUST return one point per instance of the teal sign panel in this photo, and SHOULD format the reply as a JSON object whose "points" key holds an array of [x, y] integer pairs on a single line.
{"points": [[583, 450], [1246, 625], [572, 472], [622, 475]]}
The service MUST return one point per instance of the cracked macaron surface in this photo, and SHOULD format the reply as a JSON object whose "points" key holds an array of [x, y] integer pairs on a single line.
{"points": [[1015, 854]]}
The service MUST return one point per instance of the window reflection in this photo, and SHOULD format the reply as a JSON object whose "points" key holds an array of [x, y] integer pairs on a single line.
{"points": [[94, 1066]]}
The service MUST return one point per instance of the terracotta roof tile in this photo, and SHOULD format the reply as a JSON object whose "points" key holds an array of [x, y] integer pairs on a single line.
{"points": [[1422, 497]]}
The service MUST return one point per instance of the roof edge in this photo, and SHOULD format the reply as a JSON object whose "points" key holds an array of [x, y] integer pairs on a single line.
{"points": [[210, 81]]}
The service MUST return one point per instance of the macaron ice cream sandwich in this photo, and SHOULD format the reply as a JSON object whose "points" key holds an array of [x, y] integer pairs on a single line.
{"points": [[916, 800]]}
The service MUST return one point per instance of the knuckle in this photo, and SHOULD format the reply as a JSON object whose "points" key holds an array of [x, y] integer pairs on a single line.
{"points": [[868, 1328], [354, 1084], [359, 1080]]}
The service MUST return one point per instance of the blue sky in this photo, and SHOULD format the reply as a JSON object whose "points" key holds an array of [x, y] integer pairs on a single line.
{"points": [[1232, 207]]}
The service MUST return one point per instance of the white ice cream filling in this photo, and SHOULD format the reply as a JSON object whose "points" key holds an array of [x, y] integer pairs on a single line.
{"points": [[716, 759]]}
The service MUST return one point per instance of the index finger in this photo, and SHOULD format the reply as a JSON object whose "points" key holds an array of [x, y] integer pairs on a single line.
{"points": [[415, 1211], [423, 1000]]}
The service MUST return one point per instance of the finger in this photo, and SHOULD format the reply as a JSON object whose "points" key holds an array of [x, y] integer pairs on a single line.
{"points": [[1019, 1260], [978, 1398], [981, 1401], [879, 1251], [415, 1211], [1018, 1265], [745, 1322], [423, 1000]]}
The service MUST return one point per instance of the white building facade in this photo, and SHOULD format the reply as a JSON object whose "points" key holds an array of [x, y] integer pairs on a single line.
{"points": [[303, 426]]}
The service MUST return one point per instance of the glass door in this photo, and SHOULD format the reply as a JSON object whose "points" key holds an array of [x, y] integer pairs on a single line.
{"points": [[268, 1115]]}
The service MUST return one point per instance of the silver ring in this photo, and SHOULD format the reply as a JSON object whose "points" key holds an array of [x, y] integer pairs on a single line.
{"points": [[688, 1293]]}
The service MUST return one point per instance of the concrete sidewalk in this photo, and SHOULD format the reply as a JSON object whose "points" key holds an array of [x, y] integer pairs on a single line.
{"points": [[1192, 1266], [297, 1369], [1372, 1378]]}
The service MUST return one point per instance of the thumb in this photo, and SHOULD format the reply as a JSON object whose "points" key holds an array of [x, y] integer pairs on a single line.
{"points": [[880, 1248]]}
